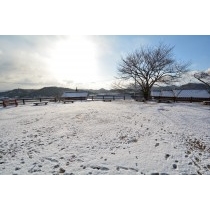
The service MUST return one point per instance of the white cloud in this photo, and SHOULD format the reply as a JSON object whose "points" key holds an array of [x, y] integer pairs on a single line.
{"points": [[57, 60], [208, 71]]}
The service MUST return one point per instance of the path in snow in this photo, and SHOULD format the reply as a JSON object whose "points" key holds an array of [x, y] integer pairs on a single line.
{"points": [[121, 137]]}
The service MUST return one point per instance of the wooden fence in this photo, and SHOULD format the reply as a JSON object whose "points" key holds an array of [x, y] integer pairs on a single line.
{"points": [[31, 100], [177, 99], [23, 101], [109, 97]]}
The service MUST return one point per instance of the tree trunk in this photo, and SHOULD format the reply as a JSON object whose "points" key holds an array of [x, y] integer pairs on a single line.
{"points": [[146, 94]]}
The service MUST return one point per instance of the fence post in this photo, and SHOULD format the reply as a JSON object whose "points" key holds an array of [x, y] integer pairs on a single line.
{"points": [[40, 100], [16, 103], [23, 101], [4, 104]]}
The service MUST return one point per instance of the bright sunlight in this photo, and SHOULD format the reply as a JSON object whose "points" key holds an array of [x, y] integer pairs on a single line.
{"points": [[74, 59]]}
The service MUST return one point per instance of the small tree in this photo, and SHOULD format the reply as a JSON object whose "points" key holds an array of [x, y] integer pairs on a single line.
{"points": [[150, 65], [203, 77]]}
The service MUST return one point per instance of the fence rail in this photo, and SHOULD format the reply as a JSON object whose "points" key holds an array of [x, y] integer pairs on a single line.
{"points": [[177, 99], [109, 97], [23, 101], [26, 100], [31, 100]]}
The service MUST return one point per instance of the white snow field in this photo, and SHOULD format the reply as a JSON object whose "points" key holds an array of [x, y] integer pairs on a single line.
{"points": [[118, 137]]}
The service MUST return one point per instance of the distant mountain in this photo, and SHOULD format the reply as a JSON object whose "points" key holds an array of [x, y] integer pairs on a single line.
{"points": [[49, 92], [31, 93], [194, 86], [16, 93], [58, 91], [44, 92], [102, 90]]}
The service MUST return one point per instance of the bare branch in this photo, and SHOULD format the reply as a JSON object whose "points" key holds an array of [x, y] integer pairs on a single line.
{"points": [[203, 77], [149, 65]]}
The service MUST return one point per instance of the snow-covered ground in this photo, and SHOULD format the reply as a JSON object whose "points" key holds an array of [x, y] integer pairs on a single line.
{"points": [[118, 137]]}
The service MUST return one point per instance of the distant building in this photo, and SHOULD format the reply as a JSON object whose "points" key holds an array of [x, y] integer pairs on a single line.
{"points": [[181, 93], [74, 95]]}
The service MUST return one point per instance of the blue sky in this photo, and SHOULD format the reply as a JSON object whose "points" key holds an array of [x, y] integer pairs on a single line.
{"points": [[192, 48], [84, 61]]}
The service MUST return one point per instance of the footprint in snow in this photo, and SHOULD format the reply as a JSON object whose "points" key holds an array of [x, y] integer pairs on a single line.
{"points": [[62, 170], [100, 168], [157, 144], [156, 173], [17, 168], [51, 159], [167, 156], [174, 166], [56, 166], [84, 167], [125, 168]]}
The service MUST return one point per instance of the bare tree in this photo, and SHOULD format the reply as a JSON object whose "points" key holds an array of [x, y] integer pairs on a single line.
{"points": [[203, 77], [150, 65]]}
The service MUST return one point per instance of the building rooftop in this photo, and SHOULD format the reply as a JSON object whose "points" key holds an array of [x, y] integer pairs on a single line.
{"points": [[74, 94], [182, 93]]}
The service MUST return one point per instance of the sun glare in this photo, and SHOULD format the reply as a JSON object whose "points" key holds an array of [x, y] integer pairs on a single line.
{"points": [[74, 59]]}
